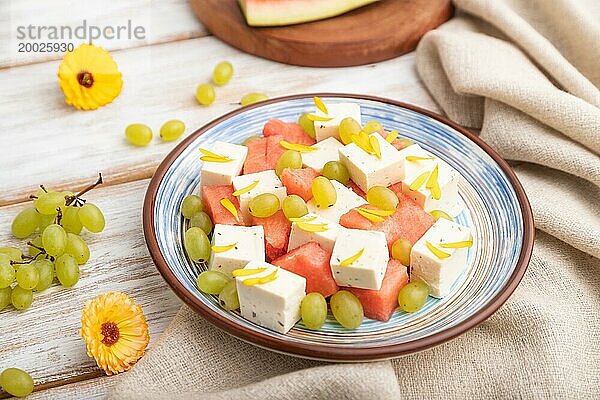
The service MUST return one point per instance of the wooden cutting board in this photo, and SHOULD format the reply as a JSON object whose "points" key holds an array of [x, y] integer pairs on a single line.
{"points": [[379, 31]]}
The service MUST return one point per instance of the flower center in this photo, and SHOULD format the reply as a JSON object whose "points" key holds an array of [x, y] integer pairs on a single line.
{"points": [[110, 331], [85, 79]]}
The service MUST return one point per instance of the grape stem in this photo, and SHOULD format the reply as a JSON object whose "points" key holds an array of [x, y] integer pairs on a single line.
{"points": [[43, 188], [71, 199], [59, 215]]}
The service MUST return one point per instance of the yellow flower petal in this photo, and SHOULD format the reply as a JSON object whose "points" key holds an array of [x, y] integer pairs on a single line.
{"points": [[379, 213], [371, 217], [353, 258], [228, 205], [262, 280], [302, 219], [393, 135], [418, 158], [433, 184], [247, 272], [313, 117], [223, 249], [374, 142], [458, 245], [419, 181], [437, 252], [308, 227], [246, 189], [320, 105], [297, 147]]}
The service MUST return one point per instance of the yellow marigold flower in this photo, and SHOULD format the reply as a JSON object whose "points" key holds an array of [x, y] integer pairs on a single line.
{"points": [[115, 331], [89, 77]]}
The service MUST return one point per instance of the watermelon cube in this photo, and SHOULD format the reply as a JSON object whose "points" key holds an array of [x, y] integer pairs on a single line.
{"points": [[380, 304], [212, 196], [312, 262], [299, 181], [277, 234], [291, 132], [263, 154]]}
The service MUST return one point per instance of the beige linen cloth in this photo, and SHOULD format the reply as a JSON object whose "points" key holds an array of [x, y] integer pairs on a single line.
{"points": [[527, 73]]}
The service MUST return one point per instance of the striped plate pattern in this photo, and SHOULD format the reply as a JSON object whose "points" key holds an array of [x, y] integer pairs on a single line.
{"points": [[491, 210]]}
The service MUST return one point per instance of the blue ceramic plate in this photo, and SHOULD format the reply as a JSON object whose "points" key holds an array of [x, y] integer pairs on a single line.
{"points": [[495, 208]]}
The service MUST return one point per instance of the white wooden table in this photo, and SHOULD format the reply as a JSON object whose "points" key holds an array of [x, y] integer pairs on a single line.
{"points": [[44, 141]]}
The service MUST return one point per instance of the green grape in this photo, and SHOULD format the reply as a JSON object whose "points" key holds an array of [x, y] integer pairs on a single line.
{"points": [[289, 159], [47, 203], [67, 270], [313, 309], [27, 276], [45, 269], [252, 98], [77, 248], [16, 382], [401, 249], [222, 73], [294, 206], [437, 214], [346, 309], [70, 220], [348, 127], [45, 221], [54, 240], [228, 298], [13, 253], [324, 194], [382, 197], [264, 205], [372, 127], [7, 272], [249, 139], [307, 124], [36, 241], [190, 205], [196, 244], [212, 282], [205, 94], [202, 221], [172, 130], [25, 223], [138, 134], [21, 298], [5, 297], [91, 218], [413, 296], [336, 170]]}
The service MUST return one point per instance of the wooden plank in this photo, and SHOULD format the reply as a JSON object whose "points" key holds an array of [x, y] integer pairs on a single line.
{"points": [[44, 339], [91, 389], [46, 141], [162, 21]]}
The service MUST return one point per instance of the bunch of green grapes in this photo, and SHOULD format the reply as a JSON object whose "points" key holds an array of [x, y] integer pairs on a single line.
{"points": [[53, 225]]}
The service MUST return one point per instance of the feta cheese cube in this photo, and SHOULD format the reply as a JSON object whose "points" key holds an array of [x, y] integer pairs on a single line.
{"points": [[222, 173], [268, 182], [368, 270], [366, 170], [440, 273], [326, 239], [249, 246], [346, 201], [447, 180], [337, 111], [327, 150], [275, 304]]}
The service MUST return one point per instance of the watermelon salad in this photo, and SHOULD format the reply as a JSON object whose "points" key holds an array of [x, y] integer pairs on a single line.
{"points": [[326, 213]]}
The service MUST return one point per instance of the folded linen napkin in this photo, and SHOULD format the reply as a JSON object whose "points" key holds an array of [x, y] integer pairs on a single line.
{"points": [[526, 73]]}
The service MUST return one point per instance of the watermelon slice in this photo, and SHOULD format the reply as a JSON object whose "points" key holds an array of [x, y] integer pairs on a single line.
{"points": [[312, 262], [277, 233], [380, 304], [291, 131], [299, 181], [263, 154], [212, 196]]}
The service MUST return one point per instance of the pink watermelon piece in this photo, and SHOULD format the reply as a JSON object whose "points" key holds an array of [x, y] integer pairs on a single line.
{"points": [[263, 154], [299, 181], [212, 196], [277, 234], [290, 131], [380, 304], [312, 262], [397, 188]]}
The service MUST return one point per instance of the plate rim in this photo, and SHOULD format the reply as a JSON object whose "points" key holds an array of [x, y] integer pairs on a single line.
{"points": [[318, 351]]}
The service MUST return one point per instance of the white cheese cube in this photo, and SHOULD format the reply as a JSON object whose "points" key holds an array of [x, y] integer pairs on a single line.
{"points": [[368, 270], [337, 111], [366, 170], [439, 273], [327, 150], [447, 180], [326, 239], [346, 201], [222, 173], [268, 182], [276, 304], [249, 246]]}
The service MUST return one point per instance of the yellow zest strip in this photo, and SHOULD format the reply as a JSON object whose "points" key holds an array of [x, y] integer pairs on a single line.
{"points": [[320, 105], [300, 148], [433, 184], [419, 181], [245, 189], [313, 117], [369, 216], [308, 227], [353, 258], [379, 213], [418, 158], [375, 146], [211, 154], [228, 205], [259, 281], [437, 214], [222, 249], [437, 252], [247, 272], [393, 135], [303, 219], [458, 245], [215, 159]]}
